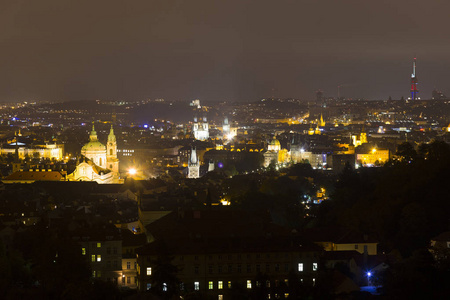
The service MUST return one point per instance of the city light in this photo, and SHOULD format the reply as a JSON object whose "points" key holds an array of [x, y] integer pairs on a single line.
{"points": [[132, 171]]}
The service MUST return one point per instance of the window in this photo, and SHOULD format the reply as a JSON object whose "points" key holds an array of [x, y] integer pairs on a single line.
{"points": [[229, 284], [149, 286], [108, 250], [286, 282], [314, 281], [128, 280], [164, 287], [239, 269], [99, 245], [149, 271], [196, 269], [114, 250], [196, 285], [286, 267], [249, 268], [230, 269], [277, 267], [267, 268], [99, 274], [300, 267], [258, 268], [220, 297], [115, 264], [83, 251], [108, 264], [128, 265], [210, 269], [249, 284], [210, 285], [181, 286], [220, 285], [93, 274], [268, 283], [314, 266], [219, 270], [93, 258], [99, 258]]}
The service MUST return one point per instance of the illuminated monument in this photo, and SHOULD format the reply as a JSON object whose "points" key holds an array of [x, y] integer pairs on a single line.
{"points": [[201, 129], [414, 89], [100, 162], [194, 165]]}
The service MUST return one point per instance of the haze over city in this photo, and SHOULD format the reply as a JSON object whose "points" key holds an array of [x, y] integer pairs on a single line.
{"points": [[228, 150], [220, 50]]}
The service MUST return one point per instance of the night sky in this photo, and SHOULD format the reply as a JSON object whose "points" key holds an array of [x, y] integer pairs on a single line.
{"points": [[221, 50]]}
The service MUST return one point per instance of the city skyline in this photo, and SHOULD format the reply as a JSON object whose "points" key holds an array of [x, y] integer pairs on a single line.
{"points": [[235, 51]]}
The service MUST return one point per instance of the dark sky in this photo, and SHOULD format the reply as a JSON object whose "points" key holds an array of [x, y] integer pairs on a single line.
{"points": [[221, 50]]}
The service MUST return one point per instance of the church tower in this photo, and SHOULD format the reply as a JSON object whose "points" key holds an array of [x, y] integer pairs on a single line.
{"points": [[194, 166], [112, 162]]}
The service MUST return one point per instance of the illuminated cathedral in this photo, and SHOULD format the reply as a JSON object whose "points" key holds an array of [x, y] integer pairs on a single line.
{"points": [[99, 162]]}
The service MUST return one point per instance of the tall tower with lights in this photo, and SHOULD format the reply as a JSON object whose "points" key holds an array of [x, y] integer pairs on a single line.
{"points": [[414, 89]]}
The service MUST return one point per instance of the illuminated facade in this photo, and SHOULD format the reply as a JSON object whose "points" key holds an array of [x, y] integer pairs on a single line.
{"points": [[101, 163], [46, 151], [375, 156], [194, 165], [201, 129]]}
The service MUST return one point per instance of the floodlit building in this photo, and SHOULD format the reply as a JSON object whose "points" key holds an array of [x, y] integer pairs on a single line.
{"points": [[201, 129], [100, 162], [194, 165]]}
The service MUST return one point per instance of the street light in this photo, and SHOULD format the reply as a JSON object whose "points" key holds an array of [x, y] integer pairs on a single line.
{"points": [[132, 171]]}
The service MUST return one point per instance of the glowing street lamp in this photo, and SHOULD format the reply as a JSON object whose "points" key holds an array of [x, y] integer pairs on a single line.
{"points": [[132, 171]]}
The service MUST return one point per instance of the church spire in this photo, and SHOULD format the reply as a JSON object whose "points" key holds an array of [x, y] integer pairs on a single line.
{"points": [[93, 136], [111, 136]]}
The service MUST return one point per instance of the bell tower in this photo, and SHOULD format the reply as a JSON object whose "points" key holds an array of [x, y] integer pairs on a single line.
{"points": [[112, 162]]}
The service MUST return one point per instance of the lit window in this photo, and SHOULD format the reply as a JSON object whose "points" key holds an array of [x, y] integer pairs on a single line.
{"points": [[314, 281], [164, 287], [128, 265], [220, 285], [99, 245], [149, 286], [93, 273], [99, 258], [300, 267], [286, 295], [210, 285], [83, 251], [93, 258], [196, 285], [149, 271], [229, 284], [249, 284], [220, 297], [314, 266]]}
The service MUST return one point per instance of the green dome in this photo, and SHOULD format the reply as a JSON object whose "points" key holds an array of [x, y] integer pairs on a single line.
{"points": [[94, 145]]}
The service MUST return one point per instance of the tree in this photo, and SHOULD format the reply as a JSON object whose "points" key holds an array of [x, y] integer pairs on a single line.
{"points": [[165, 281]]}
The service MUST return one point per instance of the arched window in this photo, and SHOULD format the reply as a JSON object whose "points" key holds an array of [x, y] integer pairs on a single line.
{"points": [[110, 152]]}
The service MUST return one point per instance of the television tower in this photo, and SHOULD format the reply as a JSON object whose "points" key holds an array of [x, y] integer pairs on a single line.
{"points": [[414, 89]]}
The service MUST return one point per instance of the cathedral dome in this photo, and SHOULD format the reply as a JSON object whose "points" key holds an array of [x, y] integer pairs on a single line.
{"points": [[274, 145], [275, 142], [94, 146]]}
